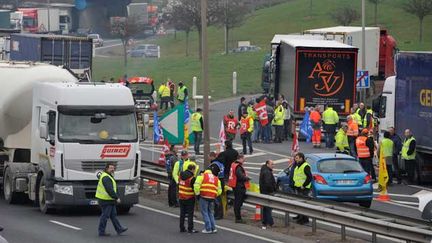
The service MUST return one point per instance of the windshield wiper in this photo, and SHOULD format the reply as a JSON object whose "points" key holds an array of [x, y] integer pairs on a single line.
{"points": [[351, 171]]}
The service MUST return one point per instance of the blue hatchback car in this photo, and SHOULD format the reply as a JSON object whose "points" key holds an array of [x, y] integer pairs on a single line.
{"points": [[336, 177]]}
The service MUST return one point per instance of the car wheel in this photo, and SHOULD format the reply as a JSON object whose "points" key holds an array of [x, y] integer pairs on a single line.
{"points": [[366, 204]]}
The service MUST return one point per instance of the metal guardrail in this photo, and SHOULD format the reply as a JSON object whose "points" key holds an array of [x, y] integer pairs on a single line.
{"points": [[375, 222]]}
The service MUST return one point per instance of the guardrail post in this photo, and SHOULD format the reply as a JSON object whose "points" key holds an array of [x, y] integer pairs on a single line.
{"points": [[343, 233], [374, 238], [314, 225], [234, 81], [287, 219]]}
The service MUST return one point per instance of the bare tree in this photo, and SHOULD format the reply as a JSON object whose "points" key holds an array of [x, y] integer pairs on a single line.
{"points": [[375, 3], [124, 29], [179, 17], [232, 14], [346, 15], [421, 9], [192, 9]]}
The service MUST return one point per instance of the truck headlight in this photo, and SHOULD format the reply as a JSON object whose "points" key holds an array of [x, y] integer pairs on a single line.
{"points": [[68, 190], [131, 189]]}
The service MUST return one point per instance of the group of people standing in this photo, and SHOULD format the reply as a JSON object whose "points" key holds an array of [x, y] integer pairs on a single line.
{"points": [[167, 93]]}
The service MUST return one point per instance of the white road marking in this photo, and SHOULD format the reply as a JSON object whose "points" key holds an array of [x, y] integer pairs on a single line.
{"points": [[281, 161], [420, 193], [255, 155], [397, 204], [396, 195], [65, 225], [201, 222], [406, 203], [420, 187]]}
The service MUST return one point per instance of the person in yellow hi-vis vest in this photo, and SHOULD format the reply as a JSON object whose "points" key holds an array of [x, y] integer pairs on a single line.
{"points": [[165, 95], [106, 193], [182, 92], [409, 154], [197, 126], [330, 119], [386, 147], [302, 181]]}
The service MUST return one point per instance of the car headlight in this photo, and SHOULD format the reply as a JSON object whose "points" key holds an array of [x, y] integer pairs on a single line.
{"points": [[68, 190], [131, 189]]}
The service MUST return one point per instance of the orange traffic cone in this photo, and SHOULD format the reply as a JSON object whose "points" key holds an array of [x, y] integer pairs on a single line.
{"points": [[257, 216], [383, 196]]}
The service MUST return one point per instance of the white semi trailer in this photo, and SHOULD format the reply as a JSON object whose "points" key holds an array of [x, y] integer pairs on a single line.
{"points": [[59, 134]]}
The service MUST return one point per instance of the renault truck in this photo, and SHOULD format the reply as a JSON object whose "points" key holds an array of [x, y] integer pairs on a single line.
{"points": [[58, 135]]}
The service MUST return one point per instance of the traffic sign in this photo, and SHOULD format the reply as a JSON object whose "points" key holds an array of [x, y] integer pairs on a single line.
{"points": [[363, 80], [172, 124]]}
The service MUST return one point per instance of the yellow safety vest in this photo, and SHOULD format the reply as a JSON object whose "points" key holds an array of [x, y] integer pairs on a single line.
{"points": [[299, 175], [387, 147], [330, 117], [195, 122], [181, 93], [357, 118], [164, 91], [341, 140], [278, 119], [365, 119], [101, 193], [405, 149]]}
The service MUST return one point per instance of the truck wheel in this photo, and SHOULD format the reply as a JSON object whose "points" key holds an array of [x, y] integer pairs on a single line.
{"points": [[366, 204], [10, 196], [43, 206]]}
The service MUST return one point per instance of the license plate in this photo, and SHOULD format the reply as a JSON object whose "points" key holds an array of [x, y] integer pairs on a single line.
{"points": [[94, 202], [345, 182]]}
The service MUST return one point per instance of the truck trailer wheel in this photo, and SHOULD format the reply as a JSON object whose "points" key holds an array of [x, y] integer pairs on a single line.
{"points": [[10, 196], [43, 206]]}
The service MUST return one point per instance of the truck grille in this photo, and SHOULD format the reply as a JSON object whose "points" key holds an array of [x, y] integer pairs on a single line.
{"points": [[93, 166]]}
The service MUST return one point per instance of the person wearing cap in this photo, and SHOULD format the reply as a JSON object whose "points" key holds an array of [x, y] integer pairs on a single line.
{"points": [[365, 148], [182, 92], [342, 145], [230, 125], [218, 169], [242, 108], [182, 165], [197, 126], [208, 187], [187, 198]]}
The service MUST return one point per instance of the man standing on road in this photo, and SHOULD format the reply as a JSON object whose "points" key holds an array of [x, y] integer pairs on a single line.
{"points": [[409, 154], [197, 126], [106, 193], [352, 133], [218, 169], [356, 117], [171, 158], [387, 148], [302, 181], [227, 157], [208, 187], [182, 165], [246, 130], [342, 145], [230, 125], [267, 184], [182, 92], [239, 182], [278, 122], [315, 118], [187, 198], [365, 148], [165, 95], [397, 141], [242, 107], [330, 119]]}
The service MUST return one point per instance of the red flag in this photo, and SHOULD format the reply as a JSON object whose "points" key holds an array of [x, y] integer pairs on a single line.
{"points": [[295, 145], [261, 111], [165, 149]]}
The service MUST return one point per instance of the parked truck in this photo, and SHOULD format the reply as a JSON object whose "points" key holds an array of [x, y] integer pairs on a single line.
{"points": [[75, 53], [41, 20], [59, 135], [310, 72], [406, 103]]}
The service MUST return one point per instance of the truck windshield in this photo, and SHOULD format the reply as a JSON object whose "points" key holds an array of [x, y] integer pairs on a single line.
{"points": [[141, 89], [97, 127]]}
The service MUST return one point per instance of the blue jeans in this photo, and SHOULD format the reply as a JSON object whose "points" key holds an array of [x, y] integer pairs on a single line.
{"points": [[257, 131], [266, 133], [206, 211], [109, 212]]}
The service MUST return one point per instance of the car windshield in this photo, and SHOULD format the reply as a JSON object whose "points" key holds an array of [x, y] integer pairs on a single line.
{"points": [[139, 89], [339, 166], [108, 126]]}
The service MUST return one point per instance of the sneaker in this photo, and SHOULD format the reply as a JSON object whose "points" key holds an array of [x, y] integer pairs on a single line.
{"points": [[264, 227], [122, 230], [204, 231], [214, 231], [192, 231]]}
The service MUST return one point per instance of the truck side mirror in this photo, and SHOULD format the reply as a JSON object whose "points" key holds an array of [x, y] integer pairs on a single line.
{"points": [[43, 131]]}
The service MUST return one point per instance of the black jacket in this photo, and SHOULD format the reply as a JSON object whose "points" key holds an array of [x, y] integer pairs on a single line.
{"points": [[227, 157], [184, 175], [397, 141], [241, 110], [241, 177], [267, 181]]}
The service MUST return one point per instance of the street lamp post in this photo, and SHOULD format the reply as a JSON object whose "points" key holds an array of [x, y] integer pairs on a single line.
{"points": [[363, 46], [204, 62]]}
